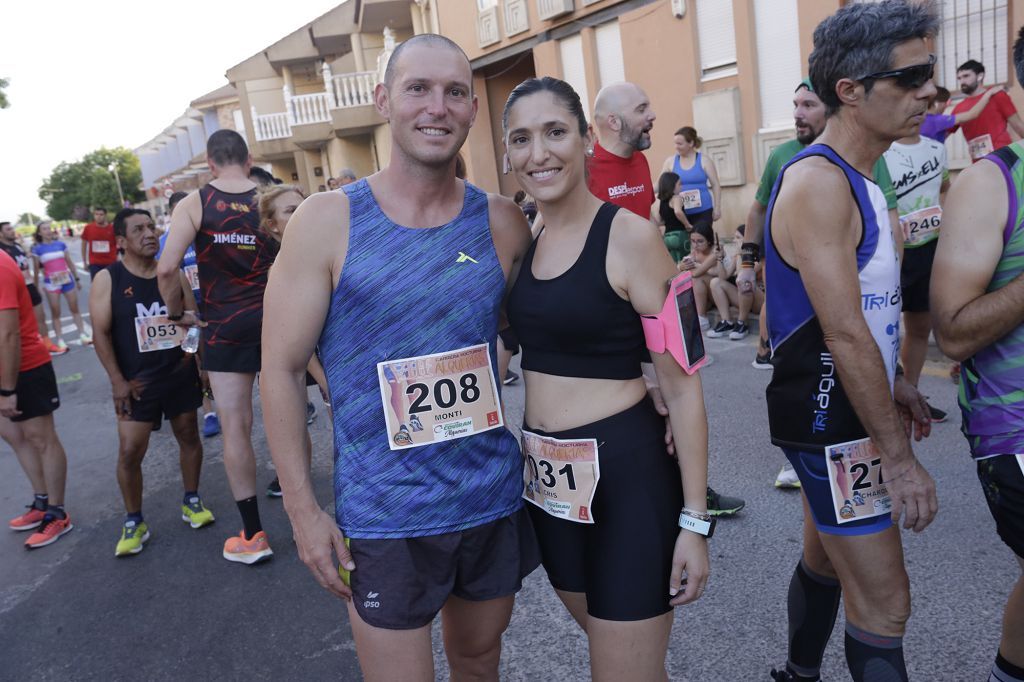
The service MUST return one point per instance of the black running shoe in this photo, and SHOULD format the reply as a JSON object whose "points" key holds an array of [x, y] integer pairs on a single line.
{"points": [[723, 328], [310, 412], [786, 675], [274, 489], [510, 378], [938, 416], [763, 359], [722, 505]]}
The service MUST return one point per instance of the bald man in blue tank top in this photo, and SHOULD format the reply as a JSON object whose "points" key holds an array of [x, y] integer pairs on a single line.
{"points": [[404, 306]]}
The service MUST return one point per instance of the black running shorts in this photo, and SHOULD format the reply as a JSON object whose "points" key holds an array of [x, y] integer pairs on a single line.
{"points": [[1003, 482], [623, 561], [36, 393], [167, 397], [231, 358], [915, 274], [33, 294], [402, 583]]}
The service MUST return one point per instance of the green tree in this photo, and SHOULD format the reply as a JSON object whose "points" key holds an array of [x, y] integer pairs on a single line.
{"points": [[75, 187], [4, 102], [28, 219]]}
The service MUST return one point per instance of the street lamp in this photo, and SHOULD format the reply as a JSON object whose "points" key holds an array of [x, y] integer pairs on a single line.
{"points": [[113, 169]]}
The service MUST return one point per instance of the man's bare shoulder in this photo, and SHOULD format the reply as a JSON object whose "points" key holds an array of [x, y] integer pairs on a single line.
{"points": [[984, 174], [324, 210], [814, 184], [977, 199]]}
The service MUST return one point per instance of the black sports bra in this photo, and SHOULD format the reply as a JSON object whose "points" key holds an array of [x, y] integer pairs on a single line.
{"points": [[575, 325]]}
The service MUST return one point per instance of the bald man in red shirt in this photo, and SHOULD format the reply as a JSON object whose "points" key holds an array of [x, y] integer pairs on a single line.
{"points": [[617, 171]]}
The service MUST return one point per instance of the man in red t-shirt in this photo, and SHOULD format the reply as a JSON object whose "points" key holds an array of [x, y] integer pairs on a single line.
{"points": [[99, 246], [988, 132], [617, 171], [28, 399]]}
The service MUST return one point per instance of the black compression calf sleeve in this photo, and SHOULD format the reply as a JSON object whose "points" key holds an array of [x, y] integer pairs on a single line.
{"points": [[250, 512], [813, 606], [874, 658], [1004, 671]]}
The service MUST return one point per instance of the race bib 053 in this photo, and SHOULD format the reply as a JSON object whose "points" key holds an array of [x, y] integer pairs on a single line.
{"points": [[560, 476], [157, 333], [439, 397], [855, 476]]}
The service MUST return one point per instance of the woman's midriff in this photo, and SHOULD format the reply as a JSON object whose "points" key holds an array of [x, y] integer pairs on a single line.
{"points": [[556, 403]]}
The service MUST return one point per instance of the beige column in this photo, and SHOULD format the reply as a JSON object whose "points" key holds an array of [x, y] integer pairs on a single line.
{"points": [[357, 51]]}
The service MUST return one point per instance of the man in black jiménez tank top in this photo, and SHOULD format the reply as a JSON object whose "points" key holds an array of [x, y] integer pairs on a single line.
{"points": [[151, 377], [222, 218]]}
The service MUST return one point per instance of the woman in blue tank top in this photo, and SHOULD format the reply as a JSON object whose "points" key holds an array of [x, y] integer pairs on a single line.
{"points": [[605, 496], [698, 174]]}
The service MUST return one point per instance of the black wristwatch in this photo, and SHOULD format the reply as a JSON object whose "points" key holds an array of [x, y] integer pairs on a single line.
{"points": [[175, 318], [4, 393]]}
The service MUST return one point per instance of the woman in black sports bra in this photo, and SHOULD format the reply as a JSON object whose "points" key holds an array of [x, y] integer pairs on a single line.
{"points": [[612, 549]]}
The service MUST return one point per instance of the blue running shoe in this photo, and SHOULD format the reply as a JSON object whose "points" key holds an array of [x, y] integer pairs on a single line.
{"points": [[211, 425]]}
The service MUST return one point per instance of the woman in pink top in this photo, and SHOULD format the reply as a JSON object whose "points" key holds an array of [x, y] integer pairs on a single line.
{"points": [[53, 260]]}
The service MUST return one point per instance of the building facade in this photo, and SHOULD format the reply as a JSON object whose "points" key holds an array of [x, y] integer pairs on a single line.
{"points": [[726, 67], [175, 160], [307, 100]]}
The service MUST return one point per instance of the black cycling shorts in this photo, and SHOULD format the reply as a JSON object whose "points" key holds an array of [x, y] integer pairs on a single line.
{"points": [[623, 561]]}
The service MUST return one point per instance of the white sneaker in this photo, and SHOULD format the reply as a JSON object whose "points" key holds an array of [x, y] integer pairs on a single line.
{"points": [[787, 477], [705, 323]]}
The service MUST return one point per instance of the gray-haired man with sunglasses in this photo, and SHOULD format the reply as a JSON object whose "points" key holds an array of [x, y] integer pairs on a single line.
{"points": [[836, 406]]}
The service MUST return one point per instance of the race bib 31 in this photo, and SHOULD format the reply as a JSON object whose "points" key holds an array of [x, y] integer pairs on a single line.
{"points": [[560, 476]]}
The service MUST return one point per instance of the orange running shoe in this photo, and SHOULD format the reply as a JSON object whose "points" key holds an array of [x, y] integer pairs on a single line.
{"points": [[49, 532], [53, 348], [237, 548], [27, 521]]}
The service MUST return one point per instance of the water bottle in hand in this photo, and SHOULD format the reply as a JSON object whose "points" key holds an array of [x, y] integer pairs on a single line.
{"points": [[190, 344]]}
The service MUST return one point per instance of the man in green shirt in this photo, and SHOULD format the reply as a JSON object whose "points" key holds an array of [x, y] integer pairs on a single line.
{"points": [[809, 117]]}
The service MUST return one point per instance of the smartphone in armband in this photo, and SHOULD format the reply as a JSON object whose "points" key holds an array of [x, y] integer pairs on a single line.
{"points": [[689, 322]]}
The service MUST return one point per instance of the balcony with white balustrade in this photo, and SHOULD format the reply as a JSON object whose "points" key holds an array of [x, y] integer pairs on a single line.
{"points": [[344, 107]]}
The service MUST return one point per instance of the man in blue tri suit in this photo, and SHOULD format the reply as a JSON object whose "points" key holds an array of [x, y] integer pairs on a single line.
{"points": [[399, 279], [835, 404]]}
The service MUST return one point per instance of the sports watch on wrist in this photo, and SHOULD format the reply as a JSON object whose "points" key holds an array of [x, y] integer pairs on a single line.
{"points": [[697, 522], [7, 394]]}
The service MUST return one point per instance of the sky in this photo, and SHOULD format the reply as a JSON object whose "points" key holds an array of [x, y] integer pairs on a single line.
{"points": [[111, 73]]}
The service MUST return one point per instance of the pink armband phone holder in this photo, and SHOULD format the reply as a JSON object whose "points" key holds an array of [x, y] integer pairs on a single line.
{"points": [[664, 331]]}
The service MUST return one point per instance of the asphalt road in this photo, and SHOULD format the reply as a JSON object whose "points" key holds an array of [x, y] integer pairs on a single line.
{"points": [[73, 611]]}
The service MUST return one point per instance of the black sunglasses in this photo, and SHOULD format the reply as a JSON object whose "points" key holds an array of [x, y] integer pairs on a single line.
{"points": [[909, 77]]}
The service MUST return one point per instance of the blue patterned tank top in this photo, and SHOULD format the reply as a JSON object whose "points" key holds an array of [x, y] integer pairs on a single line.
{"points": [[992, 382], [404, 293]]}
